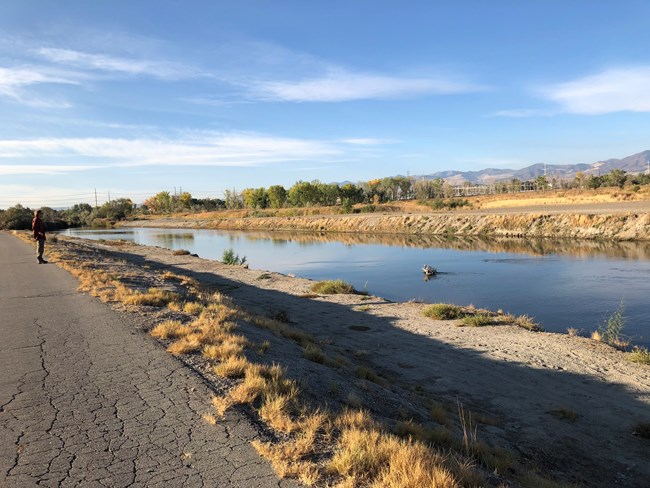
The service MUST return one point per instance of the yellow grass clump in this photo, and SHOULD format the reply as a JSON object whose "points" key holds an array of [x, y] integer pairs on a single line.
{"points": [[232, 367], [373, 458], [185, 345], [170, 329], [154, 297]]}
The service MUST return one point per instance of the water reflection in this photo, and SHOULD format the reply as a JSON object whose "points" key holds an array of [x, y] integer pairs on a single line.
{"points": [[537, 247]]}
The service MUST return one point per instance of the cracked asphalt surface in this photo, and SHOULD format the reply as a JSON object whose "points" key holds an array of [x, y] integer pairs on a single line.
{"points": [[86, 400]]}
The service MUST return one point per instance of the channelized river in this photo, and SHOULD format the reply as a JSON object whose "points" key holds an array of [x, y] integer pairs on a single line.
{"points": [[561, 284]]}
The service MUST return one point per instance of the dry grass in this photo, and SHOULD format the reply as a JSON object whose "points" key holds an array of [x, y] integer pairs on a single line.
{"points": [[443, 311], [369, 457], [170, 329], [232, 367], [314, 353], [333, 287], [477, 320], [185, 345], [639, 355], [154, 297], [229, 348], [523, 321]]}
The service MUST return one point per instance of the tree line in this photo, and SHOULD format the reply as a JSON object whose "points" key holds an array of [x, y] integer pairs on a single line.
{"points": [[306, 194]]}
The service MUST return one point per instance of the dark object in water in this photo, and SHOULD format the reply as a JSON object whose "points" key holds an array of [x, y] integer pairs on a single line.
{"points": [[429, 271]]}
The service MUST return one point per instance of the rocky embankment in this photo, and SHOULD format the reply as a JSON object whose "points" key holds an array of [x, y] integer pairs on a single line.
{"points": [[617, 226]]}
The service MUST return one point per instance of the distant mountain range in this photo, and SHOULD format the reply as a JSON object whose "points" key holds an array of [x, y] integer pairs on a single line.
{"points": [[637, 163]]}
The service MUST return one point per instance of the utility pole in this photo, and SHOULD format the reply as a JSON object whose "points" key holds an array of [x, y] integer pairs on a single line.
{"points": [[95, 198], [109, 197]]}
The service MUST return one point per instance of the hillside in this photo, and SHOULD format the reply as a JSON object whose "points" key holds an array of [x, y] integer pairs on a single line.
{"points": [[636, 163]]}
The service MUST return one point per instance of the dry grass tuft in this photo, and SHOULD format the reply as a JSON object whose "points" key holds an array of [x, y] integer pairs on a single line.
{"points": [[193, 308], [170, 329], [639, 355], [372, 458], [209, 418], [314, 353], [333, 287], [223, 351], [477, 320], [275, 411], [186, 345], [443, 311], [232, 367], [154, 297]]}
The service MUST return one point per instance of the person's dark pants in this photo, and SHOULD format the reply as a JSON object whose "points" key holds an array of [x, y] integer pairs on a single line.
{"points": [[40, 246]]}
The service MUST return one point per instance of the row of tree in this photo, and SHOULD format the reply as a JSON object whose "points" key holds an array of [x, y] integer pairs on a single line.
{"points": [[304, 194]]}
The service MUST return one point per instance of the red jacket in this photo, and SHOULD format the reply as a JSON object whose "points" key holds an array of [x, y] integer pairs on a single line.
{"points": [[38, 228]]}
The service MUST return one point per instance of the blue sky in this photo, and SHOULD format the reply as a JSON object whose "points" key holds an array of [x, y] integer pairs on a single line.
{"points": [[132, 98]]}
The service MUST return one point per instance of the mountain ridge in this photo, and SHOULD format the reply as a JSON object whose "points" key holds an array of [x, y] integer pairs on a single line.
{"points": [[636, 163]]}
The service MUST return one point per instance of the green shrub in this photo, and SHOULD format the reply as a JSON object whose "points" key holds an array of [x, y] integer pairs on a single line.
{"points": [[333, 287], [610, 330], [443, 311], [640, 355], [478, 320], [229, 257]]}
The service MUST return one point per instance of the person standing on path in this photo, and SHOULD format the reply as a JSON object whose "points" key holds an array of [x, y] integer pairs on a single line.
{"points": [[39, 235]]}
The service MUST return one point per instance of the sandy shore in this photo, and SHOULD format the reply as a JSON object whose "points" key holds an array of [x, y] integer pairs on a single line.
{"points": [[567, 406]]}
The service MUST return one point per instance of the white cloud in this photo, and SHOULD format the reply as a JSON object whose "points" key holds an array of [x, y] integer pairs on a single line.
{"points": [[340, 85], [368, 141], [520, 113], [40, 169], [613, 90], [158, 69], [199, 150], [13, 81]]}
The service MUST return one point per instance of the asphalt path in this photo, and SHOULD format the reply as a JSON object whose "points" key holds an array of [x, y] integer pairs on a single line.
{"points": [[88, 400]]}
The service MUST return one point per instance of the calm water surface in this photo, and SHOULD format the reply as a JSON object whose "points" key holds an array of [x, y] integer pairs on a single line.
{"points": [[560, 284]]}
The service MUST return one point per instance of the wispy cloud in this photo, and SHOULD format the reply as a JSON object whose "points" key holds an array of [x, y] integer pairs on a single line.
{"points": [[201, 150], [521, 113], [612, 90], [368, 141], [341, 85], [14, 80], [40, 169], [166, 70]]}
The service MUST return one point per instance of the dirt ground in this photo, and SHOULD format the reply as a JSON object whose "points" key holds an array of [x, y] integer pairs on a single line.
{"points": [[566, 406]]}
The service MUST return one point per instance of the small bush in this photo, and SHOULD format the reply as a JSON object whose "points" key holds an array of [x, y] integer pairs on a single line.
{"points": [[229, 257], [314, 353], [526, 322], [170, 329], [640, 355], [443, 311], [610, 330], [478, 320], [333, 287], [181, 252]]}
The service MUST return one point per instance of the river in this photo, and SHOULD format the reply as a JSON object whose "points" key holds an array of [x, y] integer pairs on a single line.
{"points": [[560, 284]]}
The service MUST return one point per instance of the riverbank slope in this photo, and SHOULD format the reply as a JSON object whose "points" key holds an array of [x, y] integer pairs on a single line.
{"points": [[614, 220]]}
